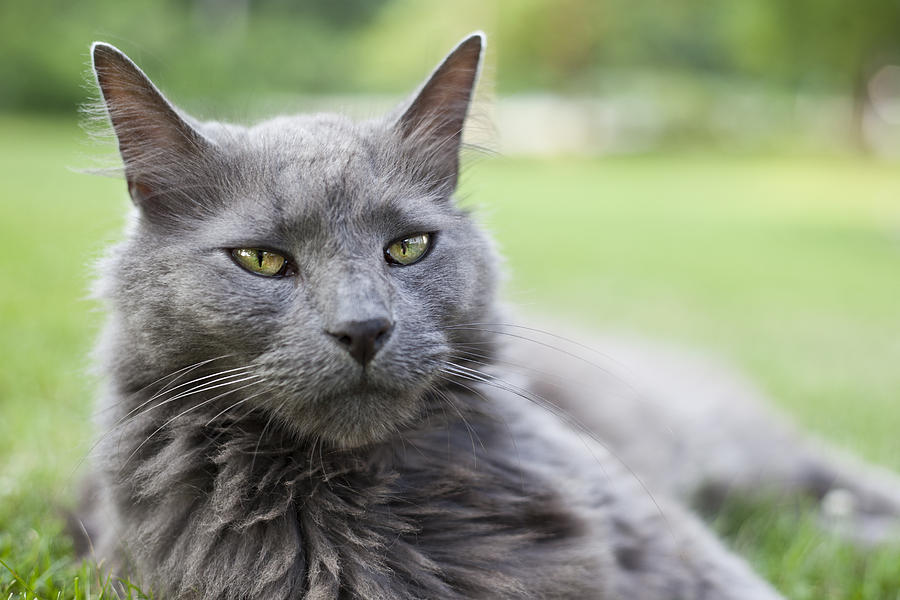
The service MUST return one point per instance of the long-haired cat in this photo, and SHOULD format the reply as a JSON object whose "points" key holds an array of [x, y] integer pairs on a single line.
{"points": [[307, 392]]}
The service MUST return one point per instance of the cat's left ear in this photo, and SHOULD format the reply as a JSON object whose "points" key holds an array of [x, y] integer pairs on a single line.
{"points": [[433, 122], [156, 143]]}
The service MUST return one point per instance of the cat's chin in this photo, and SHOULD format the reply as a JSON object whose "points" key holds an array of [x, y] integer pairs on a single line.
{"points": [[357, 417]]}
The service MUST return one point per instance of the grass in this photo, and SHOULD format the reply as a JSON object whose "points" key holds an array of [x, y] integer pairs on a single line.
{"points": [[789, 266]]}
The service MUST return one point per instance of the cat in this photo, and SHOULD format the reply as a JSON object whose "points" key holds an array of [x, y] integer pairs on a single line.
{"points": [[307, 391]]}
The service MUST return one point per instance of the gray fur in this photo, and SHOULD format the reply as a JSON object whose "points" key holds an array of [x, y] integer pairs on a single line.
{"points": [[245, 454]]}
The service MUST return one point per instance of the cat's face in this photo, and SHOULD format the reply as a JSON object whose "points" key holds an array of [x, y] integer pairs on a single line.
{"points": [[324, 256]]}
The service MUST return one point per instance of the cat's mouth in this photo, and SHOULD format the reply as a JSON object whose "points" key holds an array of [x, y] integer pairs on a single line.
{"points": [[364, 408], [357, 416], [347, 404], [372, 387]]}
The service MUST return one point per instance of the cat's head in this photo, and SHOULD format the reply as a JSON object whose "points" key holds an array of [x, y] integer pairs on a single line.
{"points": [[323, 258]]}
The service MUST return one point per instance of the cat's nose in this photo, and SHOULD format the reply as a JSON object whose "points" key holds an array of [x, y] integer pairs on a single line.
{"points": [[363, 339]]}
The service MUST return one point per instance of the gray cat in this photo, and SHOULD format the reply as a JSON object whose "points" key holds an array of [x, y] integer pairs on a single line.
{"points": [[308, 392]]}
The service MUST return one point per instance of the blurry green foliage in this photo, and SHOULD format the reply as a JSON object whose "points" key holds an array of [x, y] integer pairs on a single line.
{"points": [[261, 46], [231, 44]]}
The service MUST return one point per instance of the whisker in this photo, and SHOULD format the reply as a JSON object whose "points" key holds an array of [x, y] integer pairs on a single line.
{"points": [[177, 374], [542, 332], [130, 417], [181, 414], [593, 364], [488, 378], [262, 434], [325, 475], [131, 414], [554, 379], [433, 389], [204, 387], [180, 373], [472, 433], [187, 383], [579, 427], [509, 431], [235, 405], [487, 360]]}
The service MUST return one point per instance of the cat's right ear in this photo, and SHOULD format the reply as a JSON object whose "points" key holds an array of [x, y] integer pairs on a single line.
{"points": [[154, 140]]}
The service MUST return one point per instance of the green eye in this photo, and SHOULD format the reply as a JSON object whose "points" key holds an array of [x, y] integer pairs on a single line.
{"points": [[261, 262], [408, 250]]}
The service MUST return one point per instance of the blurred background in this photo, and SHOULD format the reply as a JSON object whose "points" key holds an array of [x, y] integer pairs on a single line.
{"points": [[617, 76], [721, 174]]}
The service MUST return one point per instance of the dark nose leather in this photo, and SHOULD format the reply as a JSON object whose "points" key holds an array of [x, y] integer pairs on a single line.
{"points": [[363, 339]]}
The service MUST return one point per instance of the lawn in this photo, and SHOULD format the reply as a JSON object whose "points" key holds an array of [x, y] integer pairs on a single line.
{"points": [[789, 266]]}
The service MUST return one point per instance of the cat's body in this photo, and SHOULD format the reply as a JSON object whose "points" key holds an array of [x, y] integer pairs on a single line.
{"points": [[344, 426]]}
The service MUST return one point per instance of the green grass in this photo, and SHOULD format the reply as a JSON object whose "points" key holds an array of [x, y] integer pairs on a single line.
{"points": [[790, 266]]}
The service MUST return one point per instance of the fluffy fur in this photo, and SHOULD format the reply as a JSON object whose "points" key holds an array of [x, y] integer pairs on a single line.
{"points": [[245, 454]]}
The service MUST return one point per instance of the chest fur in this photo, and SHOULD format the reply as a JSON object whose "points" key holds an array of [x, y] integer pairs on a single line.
{"points": [[435, 516]]}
